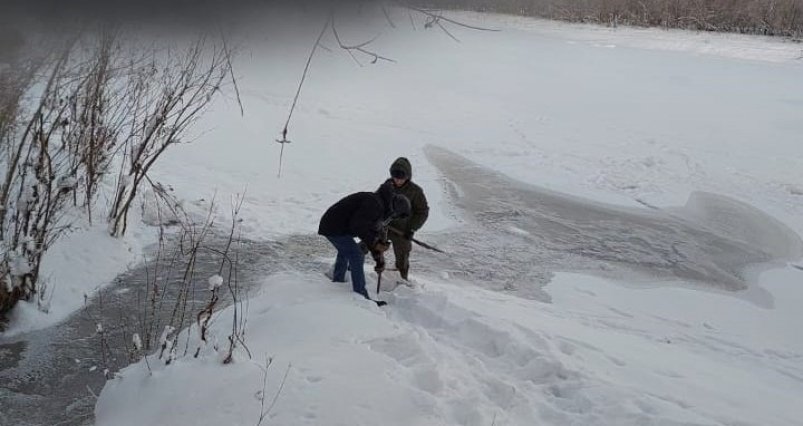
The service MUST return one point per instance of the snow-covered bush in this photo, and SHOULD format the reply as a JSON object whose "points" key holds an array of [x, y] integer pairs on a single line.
{"points": [[54, 132], [87, 106], [169, 91]]}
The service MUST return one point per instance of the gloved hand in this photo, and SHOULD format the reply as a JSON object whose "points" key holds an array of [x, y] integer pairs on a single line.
{"points": [[380, 264], [381, 246], [408, 234], [364, 248]]}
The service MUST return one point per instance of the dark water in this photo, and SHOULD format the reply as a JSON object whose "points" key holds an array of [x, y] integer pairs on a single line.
{"points": [[51, 376], [518, 234]]}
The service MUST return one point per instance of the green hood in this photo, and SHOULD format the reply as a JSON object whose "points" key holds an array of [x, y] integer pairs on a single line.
{"points": [[403, 163]]}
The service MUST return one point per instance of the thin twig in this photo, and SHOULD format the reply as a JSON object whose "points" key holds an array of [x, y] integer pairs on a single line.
{"points": [[447, 31], [359, 47], [227, 54], [387, 16], [279, 391], [437, 16], [262, 413], [236, 332], [94, 395], [284, 140]]}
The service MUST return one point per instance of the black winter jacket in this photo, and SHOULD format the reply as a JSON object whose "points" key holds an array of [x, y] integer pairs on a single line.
{"points": [[359, 215]]}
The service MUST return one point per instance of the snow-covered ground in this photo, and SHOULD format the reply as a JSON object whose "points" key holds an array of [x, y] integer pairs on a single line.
{"points": [[84, 260], [625, 116], [543, 102], [454, 354]]}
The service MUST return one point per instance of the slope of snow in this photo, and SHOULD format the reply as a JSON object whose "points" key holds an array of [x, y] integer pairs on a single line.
{"points": [[454, 354], [85, 259]]}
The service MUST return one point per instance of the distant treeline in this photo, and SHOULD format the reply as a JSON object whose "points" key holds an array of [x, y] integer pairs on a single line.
{"points": [[768, 17]]}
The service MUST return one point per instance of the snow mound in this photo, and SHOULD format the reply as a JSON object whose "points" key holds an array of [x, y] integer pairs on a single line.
{"points": [[443, 354]]}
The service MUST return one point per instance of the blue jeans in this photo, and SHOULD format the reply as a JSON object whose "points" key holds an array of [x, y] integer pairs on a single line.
{"points": [[349, 255]]}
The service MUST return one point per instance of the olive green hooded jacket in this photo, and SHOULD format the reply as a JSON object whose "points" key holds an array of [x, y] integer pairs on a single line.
{"points": [[418, 201]]}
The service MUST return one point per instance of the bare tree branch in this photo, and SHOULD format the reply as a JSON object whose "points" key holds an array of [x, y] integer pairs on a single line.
{"points": [[387, 16], [438, 17], [359, 47], [227, 53], [438, 22], [284, 139]]}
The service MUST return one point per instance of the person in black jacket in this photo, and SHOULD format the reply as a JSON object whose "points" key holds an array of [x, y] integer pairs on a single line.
{"points": [[364, 215]]}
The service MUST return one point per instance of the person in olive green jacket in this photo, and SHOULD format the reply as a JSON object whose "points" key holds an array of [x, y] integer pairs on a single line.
{"points": [[401, 231]]}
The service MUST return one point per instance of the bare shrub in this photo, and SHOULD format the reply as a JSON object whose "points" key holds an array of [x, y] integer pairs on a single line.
{"points": [[68, 118], [42, 159], [775, 17], [167, 94], [190, 277]]}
